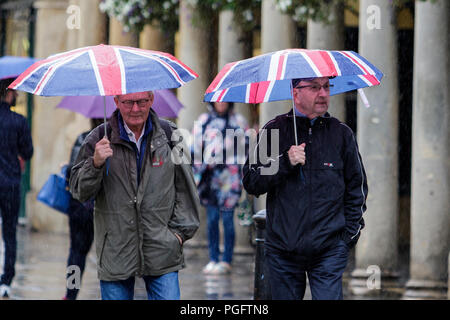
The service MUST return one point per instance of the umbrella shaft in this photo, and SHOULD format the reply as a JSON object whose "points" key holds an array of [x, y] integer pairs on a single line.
{"points": [[293, 115]]}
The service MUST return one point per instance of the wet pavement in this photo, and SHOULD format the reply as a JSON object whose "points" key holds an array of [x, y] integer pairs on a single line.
{"points": [[41, 269]]}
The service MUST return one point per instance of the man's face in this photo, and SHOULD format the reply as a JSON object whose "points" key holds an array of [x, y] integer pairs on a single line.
{"points": [[134, 108], [312, 97], [11, 97]]}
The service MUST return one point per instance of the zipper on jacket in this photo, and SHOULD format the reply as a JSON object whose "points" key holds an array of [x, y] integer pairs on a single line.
{"points": [[309, 232], [140, 271], [302, 175]]}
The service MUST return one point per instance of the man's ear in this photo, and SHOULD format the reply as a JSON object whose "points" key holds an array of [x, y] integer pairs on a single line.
{"points": [[152, 98]]}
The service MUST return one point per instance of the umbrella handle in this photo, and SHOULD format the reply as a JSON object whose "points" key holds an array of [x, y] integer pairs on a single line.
{"points": [[104, 115], [363, 97], [302, 175]]}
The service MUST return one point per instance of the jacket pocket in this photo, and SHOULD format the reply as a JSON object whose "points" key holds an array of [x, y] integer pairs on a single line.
{"points": [[102, 249]]}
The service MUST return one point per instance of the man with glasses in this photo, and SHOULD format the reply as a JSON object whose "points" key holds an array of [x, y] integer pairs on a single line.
{"points": [[315, 200], [146, 206]]}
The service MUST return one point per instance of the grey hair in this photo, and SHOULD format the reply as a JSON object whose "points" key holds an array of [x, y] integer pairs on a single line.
{"points": [[150, 93]]}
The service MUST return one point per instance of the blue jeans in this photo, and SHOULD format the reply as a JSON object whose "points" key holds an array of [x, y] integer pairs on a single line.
{"points": [[213, 217], [165, 287]]}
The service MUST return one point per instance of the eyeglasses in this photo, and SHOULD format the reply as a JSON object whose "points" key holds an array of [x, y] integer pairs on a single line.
{"points": [[316, 87], [130, 103]]}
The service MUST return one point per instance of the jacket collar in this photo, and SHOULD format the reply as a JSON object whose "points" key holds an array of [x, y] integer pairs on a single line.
{"points": [[123, 132], [321, 119]]}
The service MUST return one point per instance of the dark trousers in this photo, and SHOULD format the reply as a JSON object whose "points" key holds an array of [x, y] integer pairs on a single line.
{"points": [[287, 273], [81, 236], [9, 207]]}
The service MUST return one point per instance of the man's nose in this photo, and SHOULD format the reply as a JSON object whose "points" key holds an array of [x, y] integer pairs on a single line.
{"points": [[135, 106], [323, 91]]}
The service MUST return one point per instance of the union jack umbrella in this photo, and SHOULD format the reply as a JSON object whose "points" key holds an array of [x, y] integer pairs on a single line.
{"points": [[103, 70], [268, 77]]}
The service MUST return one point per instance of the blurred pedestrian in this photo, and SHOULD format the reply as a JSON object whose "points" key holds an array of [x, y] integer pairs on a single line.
{"points": [[81, 223], [16, 146], [146, 205], [316, 198], [218, 177]]}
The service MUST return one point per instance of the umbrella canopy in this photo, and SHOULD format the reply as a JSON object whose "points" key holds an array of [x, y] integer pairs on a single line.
{"points": [[12, 66], [103, 70], [268, 77], [165, 104]]}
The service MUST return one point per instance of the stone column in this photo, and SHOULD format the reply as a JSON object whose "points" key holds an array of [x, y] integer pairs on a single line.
{"points": [[430, 204], [151, 38], [51, 146], [93, 24], [117, 36], [378, 143], [193, 47], [231, 48], [330, 37]]}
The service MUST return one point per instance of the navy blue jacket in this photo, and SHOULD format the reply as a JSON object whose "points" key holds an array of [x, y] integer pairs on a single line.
{"points": [[312, 206], [15, 140]]}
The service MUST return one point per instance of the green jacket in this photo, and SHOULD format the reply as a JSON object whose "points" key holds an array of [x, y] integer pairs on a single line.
{"points": [[135, 225]]}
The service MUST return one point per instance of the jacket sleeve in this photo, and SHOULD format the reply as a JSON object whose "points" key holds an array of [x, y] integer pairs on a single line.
{"points": [[86, 180], [185, 217], [265, 170], [356, 190], [25, 142]]}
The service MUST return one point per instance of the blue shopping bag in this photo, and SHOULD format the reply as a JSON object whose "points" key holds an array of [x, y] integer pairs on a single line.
{"points": [[55, 192]]}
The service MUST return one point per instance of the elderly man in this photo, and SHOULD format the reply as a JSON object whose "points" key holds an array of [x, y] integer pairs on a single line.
{"points": [[16, 146], [146, 206], [316, 198]]}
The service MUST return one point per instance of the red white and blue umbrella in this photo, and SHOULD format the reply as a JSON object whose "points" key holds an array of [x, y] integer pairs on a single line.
{"points": [[103, 70], [268, 77]]}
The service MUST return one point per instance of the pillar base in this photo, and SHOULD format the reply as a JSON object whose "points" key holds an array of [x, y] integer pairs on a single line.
{"points": [[361, 285], [425, 289]]}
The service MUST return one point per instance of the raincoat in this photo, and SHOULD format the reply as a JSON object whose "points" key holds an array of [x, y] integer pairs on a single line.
{"points": [[135, 220], [311, 207], [15, 140]]}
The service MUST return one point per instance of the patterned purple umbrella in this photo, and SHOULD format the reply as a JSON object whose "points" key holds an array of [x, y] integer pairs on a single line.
{"points": [[166, 105]]}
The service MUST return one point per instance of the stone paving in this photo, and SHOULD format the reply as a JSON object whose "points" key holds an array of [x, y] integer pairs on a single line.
{"points": [[41, 268]]}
